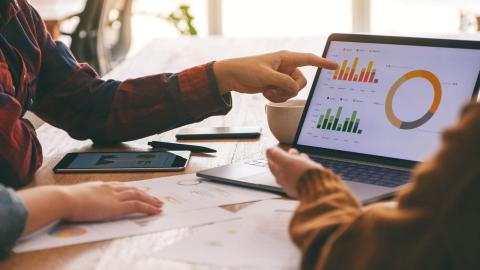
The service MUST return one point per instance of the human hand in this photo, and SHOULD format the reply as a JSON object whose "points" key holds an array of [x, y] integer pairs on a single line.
{"points": [[276, 75], [288, 167], [105, 201]]}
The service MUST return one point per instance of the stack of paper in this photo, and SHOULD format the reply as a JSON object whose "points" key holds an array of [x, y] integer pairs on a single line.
{"points": [[188, 201], [257, 239]]}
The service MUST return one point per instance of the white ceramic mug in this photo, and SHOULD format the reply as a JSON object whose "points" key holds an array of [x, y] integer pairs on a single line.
{"points": [[283, 119]]}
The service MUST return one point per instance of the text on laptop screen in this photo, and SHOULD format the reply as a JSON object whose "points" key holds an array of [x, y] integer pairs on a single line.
{"points": [[389, 100]]}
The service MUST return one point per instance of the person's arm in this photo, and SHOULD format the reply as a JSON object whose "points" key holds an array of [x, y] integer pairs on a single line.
{"points": [[85, 202], [17, 141], [30, 209], [434, 226], [72, 96], [13, 216], [326, 205]]}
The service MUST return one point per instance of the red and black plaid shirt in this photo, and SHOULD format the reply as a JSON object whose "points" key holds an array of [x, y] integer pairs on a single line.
{"points": [[42, 76]]}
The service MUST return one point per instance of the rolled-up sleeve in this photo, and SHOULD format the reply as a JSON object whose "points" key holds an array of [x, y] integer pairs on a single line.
{"points": [[13, 217]]}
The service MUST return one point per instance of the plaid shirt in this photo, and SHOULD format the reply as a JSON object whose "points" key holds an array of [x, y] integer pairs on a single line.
{"points": [[41, 75]]}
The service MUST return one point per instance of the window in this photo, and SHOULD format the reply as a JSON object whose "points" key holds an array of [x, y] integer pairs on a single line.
{"points": [[291, 18], [294, 18], [421, 16]]}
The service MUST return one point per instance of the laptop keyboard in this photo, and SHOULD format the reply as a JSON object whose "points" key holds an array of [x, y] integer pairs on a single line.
{"points": [[355, 172]]}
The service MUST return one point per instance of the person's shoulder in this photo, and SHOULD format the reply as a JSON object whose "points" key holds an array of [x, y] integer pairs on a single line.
{"points": [[471, 117], [21, 3], [467, 130], [23, 6], [472, 108], [26, 12]]}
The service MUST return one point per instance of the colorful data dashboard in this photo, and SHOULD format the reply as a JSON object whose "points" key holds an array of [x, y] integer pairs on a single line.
{"points": [[389, 100]]}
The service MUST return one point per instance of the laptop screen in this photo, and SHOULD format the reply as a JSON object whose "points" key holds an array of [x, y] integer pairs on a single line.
{"points": [[389, 100]]}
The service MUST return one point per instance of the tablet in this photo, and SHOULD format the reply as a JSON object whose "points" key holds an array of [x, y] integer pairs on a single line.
{"points": [[123, 162]]}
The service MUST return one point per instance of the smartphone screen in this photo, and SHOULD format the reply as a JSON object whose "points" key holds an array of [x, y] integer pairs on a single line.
{"points": [[123, 161]]}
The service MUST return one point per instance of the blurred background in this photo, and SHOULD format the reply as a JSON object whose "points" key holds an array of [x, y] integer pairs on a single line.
{"points": [[125, 26]]}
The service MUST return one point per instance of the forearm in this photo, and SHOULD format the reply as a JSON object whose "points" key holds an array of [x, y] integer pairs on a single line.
{"points": [[20, 150], [45, 205], [326, 207], [153, 104], [122, 111], [13, 216]]}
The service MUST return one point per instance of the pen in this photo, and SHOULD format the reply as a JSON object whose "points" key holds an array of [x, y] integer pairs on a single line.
{"points": [[180, 147]]}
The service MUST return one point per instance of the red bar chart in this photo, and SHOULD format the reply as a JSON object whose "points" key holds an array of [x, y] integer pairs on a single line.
{"points": [[345, 72]]}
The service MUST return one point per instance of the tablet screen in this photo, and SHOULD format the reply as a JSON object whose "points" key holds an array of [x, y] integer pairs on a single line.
{"points": [[389, 100], [126, 160]]}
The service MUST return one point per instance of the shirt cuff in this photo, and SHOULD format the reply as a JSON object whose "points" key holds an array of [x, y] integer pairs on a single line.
{"points": [[201, 94], [14, 218], [318, 183]]}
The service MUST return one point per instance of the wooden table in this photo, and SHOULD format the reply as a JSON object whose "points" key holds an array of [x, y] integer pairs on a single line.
{"points": [[168, 56], [139, 252], [55, 12]]}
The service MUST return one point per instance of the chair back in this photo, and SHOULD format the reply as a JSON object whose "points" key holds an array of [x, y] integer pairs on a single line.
{"points": [[115, 33], [103, 35], [84, 37]]}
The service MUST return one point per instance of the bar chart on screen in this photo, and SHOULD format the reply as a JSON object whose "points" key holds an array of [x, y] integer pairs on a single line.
{"points": [[347, 72], [330, 121]]}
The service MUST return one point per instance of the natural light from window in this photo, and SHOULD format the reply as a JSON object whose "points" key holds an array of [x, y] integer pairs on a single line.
{"points": [[296, 18]]}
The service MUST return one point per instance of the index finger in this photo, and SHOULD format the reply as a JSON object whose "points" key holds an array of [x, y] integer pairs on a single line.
{"points": [[307, 59]]}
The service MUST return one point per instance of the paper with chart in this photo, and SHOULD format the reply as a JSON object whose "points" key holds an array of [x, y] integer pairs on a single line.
{"points": [[188, 192], [188, 201], [258, 239], [73, 234]]}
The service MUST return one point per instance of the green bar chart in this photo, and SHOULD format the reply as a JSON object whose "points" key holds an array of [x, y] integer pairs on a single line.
{"points": [[330, 121]]}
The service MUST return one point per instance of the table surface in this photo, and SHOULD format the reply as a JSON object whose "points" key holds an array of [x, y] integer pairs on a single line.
{"points": [[139, 252], [160, 56]]}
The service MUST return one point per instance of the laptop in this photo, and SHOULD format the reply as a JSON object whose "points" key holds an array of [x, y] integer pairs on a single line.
{"points": [[379, 114]]}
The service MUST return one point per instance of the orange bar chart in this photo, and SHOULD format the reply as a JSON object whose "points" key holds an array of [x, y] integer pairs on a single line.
{"points": [[345, 72]]}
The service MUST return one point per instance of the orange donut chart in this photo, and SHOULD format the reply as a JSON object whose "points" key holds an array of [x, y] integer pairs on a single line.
{"points": [[437, 88]]}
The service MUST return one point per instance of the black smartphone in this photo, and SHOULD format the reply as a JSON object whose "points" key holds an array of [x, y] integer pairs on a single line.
{"points": [[93, 162], [208, 133]]}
